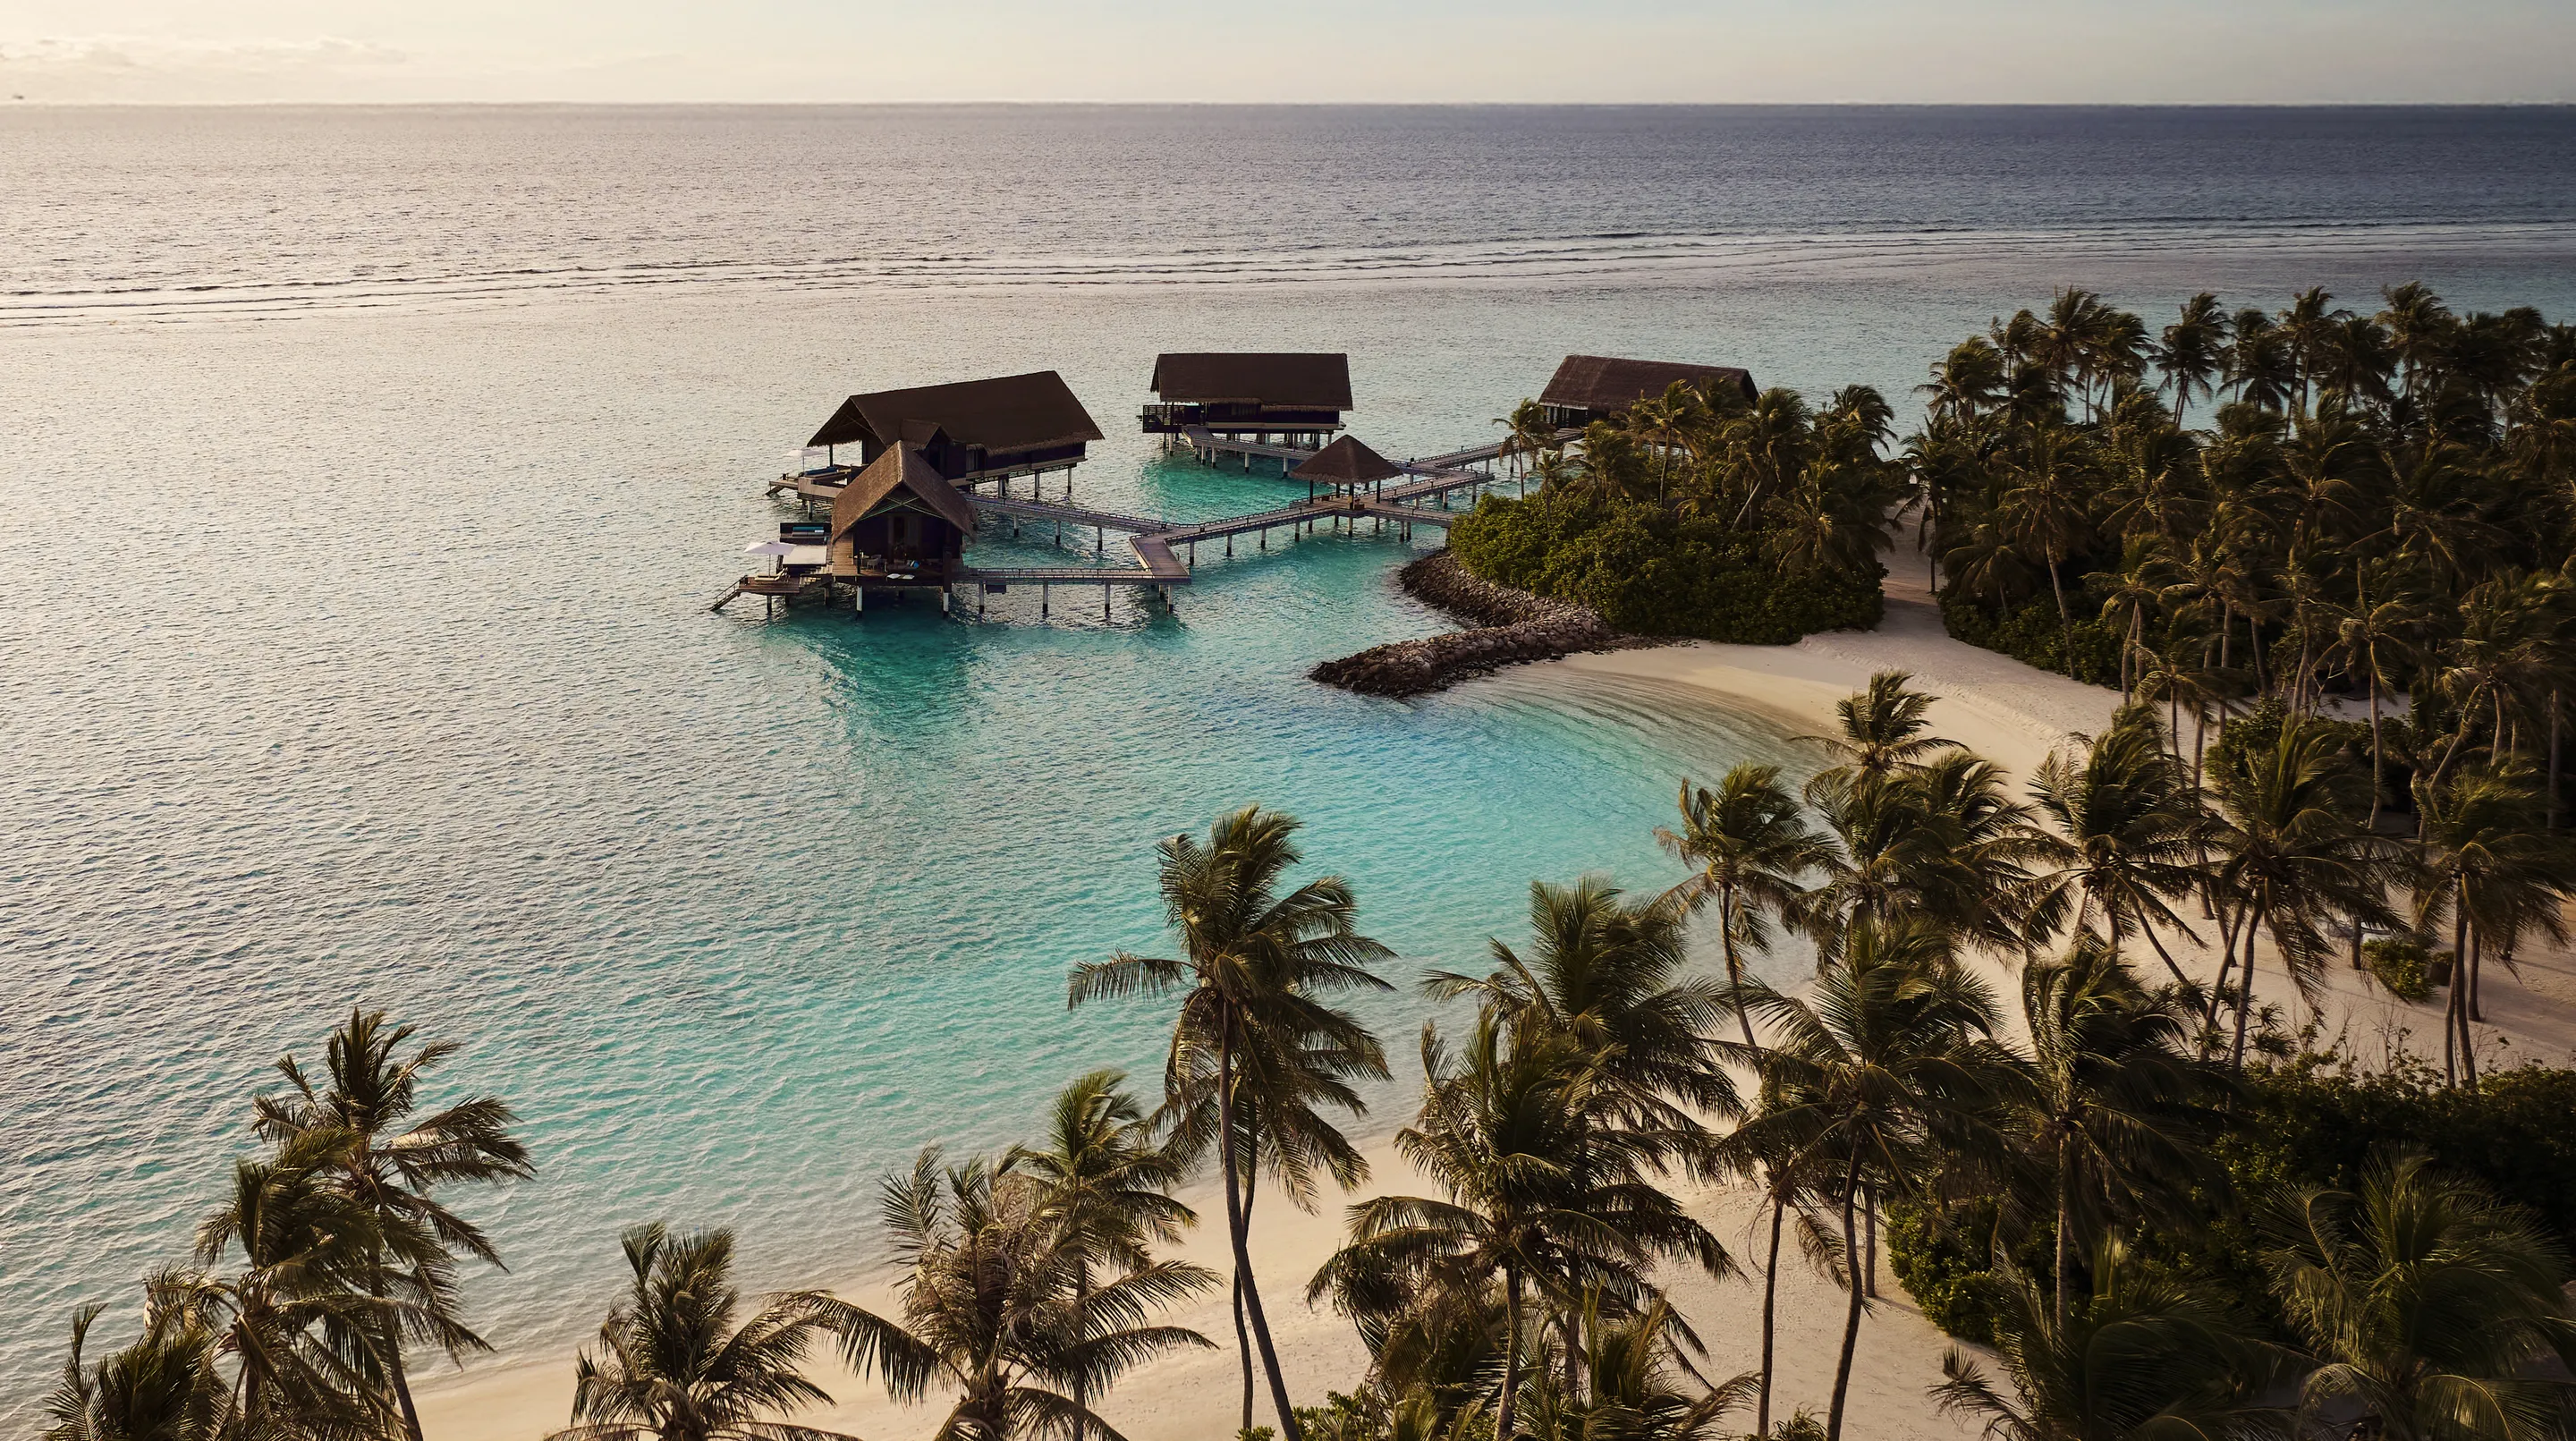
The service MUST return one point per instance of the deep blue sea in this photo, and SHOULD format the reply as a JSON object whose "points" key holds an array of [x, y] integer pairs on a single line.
{"points": [[365, 476]]}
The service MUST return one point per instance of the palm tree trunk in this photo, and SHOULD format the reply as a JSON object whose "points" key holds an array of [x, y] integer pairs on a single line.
{"points": [[1869, 1240], [2553, 760], [1239, 1224], [1770, 1299], [1851, 1313], [2065, 621], [1243, 1347], [2065, 1222], [1511, 1352], [393, 1355], [1081, 1388], [2375, 764], [1734, 967], [2453, 1023], [2149, 931], [2477, 954], [2245, 988]]}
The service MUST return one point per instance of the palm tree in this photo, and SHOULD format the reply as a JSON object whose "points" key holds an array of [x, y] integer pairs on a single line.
{"points": [[2045, 505], [672, 1363], [2371, 637], [2130, 830], [1635, 1387], [392, 1159], [1966, 383], [2149, 1358], [1944, 843], [2116, 1111], [1528, 434], [1748, 843], [164, 1386], [993, 1306], [2490, 863], [1880, 733], [1879, 1073], [1538, 1193], [2425, 1303], [1104, 1179], [1605, 973], [2290, 851], [1254, 970], [308, 1318]]}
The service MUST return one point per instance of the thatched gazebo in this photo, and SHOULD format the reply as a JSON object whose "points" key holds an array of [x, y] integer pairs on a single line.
{"points": [[1345, 465]]}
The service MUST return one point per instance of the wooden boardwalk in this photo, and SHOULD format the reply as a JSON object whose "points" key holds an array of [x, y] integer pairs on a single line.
{"points": [[1165, 550]]}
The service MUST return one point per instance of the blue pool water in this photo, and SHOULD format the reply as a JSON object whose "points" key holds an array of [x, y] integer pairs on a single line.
{"points": [[367, 477]]}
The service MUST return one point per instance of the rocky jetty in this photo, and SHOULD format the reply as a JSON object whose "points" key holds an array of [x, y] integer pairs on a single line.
{"points": [[1510, 627]]}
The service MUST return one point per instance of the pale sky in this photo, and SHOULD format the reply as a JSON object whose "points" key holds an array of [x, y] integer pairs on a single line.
{"points": [[1715, 51]]}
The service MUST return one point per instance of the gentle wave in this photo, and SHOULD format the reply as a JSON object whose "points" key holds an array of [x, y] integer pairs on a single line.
{"points": [[1548, 259]]}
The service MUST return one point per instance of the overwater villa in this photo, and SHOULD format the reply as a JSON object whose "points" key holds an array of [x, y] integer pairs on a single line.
{"points": [[900, 515], [968, 431], [1587, 388], [1298, 397]]}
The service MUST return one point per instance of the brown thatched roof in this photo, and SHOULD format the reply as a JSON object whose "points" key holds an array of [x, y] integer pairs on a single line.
{"points": [[1007, 412], [1600, 382], [1302, 381], [895, 477], [1345, 462]]}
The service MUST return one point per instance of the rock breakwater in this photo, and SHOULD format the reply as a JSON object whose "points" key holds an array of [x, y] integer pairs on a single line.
{"points": [[1509, 627]]}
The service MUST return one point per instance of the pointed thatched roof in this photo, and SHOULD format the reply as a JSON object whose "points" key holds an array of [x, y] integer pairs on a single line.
{"points": [[898, 476], [1295, 379], [1006, 412], [1601, 382], [1345, 462]]}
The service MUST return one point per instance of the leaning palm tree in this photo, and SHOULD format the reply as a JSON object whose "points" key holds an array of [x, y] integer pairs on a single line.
{"points": [[2118, 1112], [674, 1365], [1748, 844], [1104, 1178], [991, 1307], [2290, 851], [392, 1158], [2149, 1358], [2426, 1304], [1255, 969], [1539, 1197], [1879, 1073], [163, 1386], [2128, 833]]}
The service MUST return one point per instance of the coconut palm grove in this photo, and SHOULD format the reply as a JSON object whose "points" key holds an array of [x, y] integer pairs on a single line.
{"points": [[2054, 1060]]}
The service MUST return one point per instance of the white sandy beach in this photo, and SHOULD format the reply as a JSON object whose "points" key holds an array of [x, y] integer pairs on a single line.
{"points": [[2003, 709]]}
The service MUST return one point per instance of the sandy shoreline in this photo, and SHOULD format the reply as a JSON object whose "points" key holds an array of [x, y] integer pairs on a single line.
{"points": [[2001, 708]]}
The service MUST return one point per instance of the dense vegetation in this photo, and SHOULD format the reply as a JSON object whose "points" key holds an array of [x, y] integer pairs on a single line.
{"points": [[2164, 1212], [1700, 514], [2372, 503]]}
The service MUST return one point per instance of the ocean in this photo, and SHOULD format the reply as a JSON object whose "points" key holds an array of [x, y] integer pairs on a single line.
{"points": [[368, 474]]}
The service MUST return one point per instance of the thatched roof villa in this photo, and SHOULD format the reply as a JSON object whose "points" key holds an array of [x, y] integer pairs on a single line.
{"points": [[1296, 394], [1587, 388], [969, 430]]}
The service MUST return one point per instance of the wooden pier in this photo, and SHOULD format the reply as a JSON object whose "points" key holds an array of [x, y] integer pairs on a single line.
{"points": [[926, 489]]}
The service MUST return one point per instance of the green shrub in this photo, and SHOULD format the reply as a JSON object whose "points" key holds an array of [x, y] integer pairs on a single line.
{"points": [[1940, 1258], [2402, 965], [2035, 636], [1650, 572]]}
